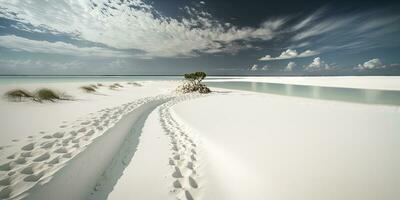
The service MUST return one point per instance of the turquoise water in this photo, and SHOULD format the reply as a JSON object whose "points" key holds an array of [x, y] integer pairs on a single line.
{"points": [[62, 79], [385, 97]]}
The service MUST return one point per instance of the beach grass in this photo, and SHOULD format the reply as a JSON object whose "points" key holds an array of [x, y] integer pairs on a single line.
{"points": [[40, 95], [19, 95], [45, 94], [115, 86], [135, 84], [89, 88]]}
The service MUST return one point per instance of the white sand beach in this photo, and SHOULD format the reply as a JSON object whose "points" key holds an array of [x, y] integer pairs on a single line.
{"points": [[149, 142]]}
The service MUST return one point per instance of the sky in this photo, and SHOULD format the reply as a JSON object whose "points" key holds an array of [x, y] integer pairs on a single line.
{"points": [[220, 37]]}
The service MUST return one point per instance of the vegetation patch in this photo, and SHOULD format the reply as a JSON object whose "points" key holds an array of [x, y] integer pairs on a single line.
{"points": [[115, 86], [135, 84], [46, 94], [43, 94], [89, 88], [19, 95], [192, 83]]}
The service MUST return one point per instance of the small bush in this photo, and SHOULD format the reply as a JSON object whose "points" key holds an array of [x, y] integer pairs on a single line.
{"points": [[45, 94], [89, 89], [18, 95], [193, 83], [203, 89]]}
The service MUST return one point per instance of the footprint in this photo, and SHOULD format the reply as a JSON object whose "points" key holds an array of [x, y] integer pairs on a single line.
{"points": [[15, 140], [177, 173], [6, 167], [171, 162], [73, 133], [28, 170], [11, 156], [5, 193], [177, 157], [82, 130], [193, 182], [34, 177], [28, 147], [85, 123], [20, 161], [193, 157], [188, 195], [61, 150], [67, 155], [66, 141], [55, 160], [75, 140], [190, 165], [26, 154], [175, 148], [42, 157], [47, 145], [11, 173], [47, 137], [6, 181], [177, 184], [90, 133], [58, 135]]}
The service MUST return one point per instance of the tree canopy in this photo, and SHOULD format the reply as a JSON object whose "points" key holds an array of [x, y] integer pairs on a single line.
{"points": [[196, 76]]}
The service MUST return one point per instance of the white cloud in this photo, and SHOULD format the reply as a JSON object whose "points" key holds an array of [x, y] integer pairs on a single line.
{"points": [[254, 67], [290, 66], [289, 54], [317, 64], [348, 31], [133, 24], [16, 43], [375, 63], [266, 67]]}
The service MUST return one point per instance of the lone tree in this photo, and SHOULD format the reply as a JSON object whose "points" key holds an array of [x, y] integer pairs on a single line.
{"points": [[193, 83]]}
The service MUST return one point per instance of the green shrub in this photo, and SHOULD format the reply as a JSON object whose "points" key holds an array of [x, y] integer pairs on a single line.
{"points": [[193, 83]]}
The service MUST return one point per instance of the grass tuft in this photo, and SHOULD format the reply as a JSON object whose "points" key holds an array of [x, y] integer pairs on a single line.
{"points": [[18, 95], [89, 88], [115, 86], [135, 84], [46, 94]]}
